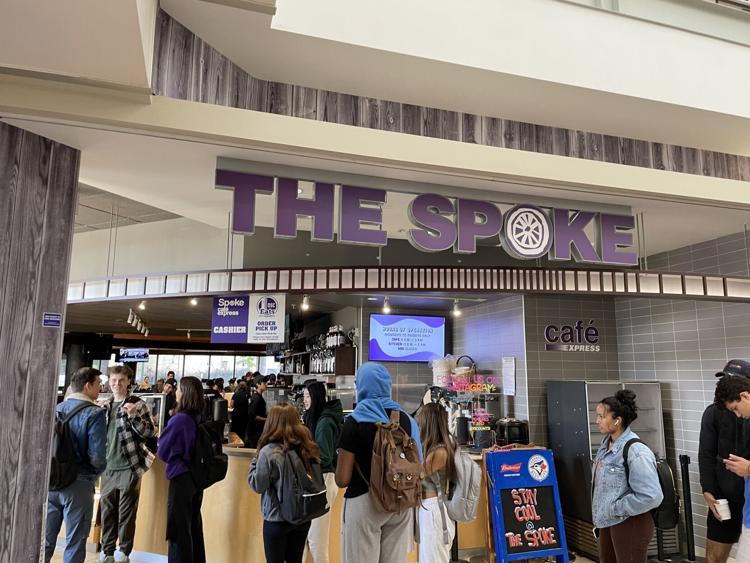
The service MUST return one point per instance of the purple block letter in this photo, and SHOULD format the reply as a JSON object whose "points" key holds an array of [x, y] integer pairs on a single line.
{"points": [[569, 233], [469, 229], [352, 216], [289, 206], [245, 187], [616, 232], [436, 232]]}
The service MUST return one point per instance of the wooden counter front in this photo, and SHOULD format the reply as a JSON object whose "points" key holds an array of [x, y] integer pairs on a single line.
{"points": [[233, 521]]}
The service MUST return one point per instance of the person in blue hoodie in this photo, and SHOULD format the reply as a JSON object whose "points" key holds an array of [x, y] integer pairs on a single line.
{"points": [[368, 535], [184, 499]]}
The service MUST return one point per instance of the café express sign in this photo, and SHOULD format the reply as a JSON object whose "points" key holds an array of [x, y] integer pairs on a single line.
{"points": [[439, 223]]}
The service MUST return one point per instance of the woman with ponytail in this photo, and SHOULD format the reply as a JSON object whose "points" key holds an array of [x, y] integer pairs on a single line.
{"points": [[622, 504]]}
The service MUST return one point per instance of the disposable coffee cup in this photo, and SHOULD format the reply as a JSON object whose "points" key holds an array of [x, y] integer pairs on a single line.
{"points": [[722, 507]]}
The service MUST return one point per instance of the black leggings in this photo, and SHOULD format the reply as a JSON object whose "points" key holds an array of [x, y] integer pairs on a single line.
{"points": [[184, 522], [284, 542]]}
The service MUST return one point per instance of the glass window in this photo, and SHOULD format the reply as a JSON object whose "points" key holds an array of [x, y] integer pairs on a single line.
{"points": [[196, 366], [269, 365], [243, 364], [146, 369], [222, 366], [170, 362], [61, 371]]}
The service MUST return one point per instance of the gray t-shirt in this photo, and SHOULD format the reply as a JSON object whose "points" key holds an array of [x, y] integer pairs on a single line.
{"points": [[116, 461]]}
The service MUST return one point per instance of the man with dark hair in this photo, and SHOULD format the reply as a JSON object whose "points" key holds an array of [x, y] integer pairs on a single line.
{"points": [[129, 424], [75, 503], [722, 434], [733, 393], [257, 411]]}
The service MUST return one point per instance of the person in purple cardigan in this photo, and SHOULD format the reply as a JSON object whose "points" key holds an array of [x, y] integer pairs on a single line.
{"points": [[176, 447]]}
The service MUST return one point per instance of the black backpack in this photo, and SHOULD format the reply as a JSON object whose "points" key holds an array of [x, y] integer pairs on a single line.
{"points": [[667, 514], [64, 466], [302, 495], [209, 463]]}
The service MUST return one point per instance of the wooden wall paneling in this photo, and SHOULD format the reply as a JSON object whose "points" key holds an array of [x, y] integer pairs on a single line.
{"points": [[411, 119], [218, 78], [733, 166], [327, 106], [744, 168], [280, 98], [369, 113], [46, 343], [348, 110], [38, 179], [306, 102], [634, 152], [391, 116], [258, 93], [527, 136], [161, 54], [492, 131], [450, 125], [432, 126], [199, 71], [675, 158], [239, 88], [471, 128], [560, 141], [611, 149], [718, 164], [544, 139], [659, 156], [692, 161], [179, 81], [594, 146], [577, 143], [511, 134]]}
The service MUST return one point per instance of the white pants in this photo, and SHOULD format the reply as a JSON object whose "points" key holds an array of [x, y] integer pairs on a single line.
{"points": [[743, 547], [432, 548], [317, 537]]}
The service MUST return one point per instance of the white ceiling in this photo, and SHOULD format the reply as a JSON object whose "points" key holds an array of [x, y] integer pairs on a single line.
{"points": [[102, 40], [178, 177]]}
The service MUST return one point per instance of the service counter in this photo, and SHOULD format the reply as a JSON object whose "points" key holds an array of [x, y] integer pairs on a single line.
{"points": [[232, 518]]}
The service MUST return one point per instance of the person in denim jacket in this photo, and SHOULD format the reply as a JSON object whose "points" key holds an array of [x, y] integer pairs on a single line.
{"points": [[622, 507], [75, 503]]}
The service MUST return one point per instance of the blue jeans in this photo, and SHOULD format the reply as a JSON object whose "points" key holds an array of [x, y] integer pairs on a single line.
{"points": [[74, 504]]}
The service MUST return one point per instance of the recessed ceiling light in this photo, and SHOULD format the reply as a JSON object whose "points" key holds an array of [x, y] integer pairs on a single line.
{"points": [[193, 301], [142, 306], [372, 298], [299, 191]]}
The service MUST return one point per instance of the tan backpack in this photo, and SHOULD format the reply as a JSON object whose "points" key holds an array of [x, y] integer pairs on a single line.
{"points": [[396, 473]]}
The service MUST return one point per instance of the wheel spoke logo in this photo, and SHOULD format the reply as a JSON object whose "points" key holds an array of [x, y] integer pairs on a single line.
{"points": [[527, 232]]}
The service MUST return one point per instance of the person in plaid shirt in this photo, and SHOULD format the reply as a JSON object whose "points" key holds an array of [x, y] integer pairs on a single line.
{"points": [[129, 424]]}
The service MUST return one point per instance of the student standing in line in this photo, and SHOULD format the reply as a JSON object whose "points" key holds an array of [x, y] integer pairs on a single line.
{"points": [[257, 411], [129, 425], [436, 529], [283, 542], [622, 507], [722, 434], [75, 503], [176, 446], [368, 535], [324, 419], [240, 406]]}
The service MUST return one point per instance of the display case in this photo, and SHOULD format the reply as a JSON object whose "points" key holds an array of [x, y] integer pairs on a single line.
{"points": [[575, 438]]}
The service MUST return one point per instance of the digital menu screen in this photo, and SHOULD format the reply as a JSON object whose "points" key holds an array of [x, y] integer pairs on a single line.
{"points": [[406, 338]]}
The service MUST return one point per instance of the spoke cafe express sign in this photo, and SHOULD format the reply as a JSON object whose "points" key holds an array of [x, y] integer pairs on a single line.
{"points": [[248, 319], [439, 223]]}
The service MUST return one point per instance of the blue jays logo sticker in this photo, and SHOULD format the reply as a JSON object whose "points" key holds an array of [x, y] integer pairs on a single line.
{"points": [[538, 468]]}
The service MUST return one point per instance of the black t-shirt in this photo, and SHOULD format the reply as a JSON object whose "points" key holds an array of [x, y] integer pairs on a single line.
{"points": [[358, 438], [255, 427]]}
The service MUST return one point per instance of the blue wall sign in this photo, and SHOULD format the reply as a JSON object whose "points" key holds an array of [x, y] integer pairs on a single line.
{"points": [[53, 320], [524, 502]]}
